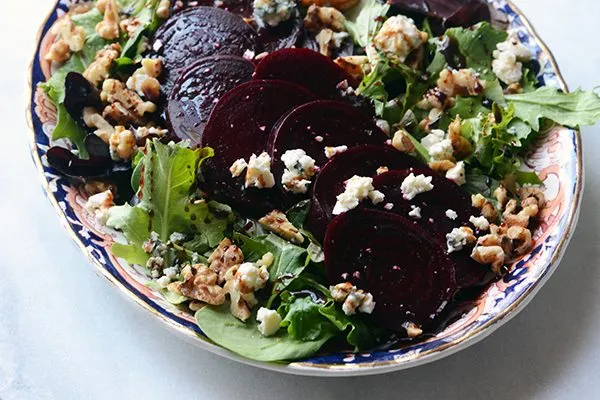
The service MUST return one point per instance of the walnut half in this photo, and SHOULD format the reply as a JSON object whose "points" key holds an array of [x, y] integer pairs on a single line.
{"points": [[199, 283]]}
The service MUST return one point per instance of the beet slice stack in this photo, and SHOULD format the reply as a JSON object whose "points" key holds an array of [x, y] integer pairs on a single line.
{"points": [[361, 161], [198, 32], [410, 276], [239, 127], [198, 89], [303, 67], [445, 195]]}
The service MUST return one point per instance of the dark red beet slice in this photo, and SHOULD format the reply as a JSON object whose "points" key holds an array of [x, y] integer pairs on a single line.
{"points": [[199, 88], [445, 195], [286, 34], [361, 161], [239, 126], [303, 67], [409, 275], [199, 32], [313, 126]]}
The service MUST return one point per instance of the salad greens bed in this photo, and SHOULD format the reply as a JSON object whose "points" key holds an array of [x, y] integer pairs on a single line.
{"points": [[171, 213]]}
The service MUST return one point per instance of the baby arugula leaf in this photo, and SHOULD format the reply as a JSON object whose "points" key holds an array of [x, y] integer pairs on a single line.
{"points": [[364, 19]]}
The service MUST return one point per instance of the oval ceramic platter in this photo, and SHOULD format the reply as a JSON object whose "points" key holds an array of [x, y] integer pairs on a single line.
{"points": [[557, 160]]}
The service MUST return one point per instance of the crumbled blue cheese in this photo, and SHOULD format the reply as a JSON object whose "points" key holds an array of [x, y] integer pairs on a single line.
{"points": [[259, 173], [250, 277], [481, 223], [269, 320], [451, 214], [398, 37], [441, 151], [99, 204], [299, 168], [238, 167], [507, 56], [272, 12], [433, 138], [457, 173], [332, 151], [413, 185], [415, 212], [353, 299], [457, 239], [357, 189]]}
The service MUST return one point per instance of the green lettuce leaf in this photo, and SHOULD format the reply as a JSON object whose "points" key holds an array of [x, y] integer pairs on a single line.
{"points": [[477, 44], [67, 128], [570, 109], [243, 338], [304, 320], [93, 42], [364, 20]]}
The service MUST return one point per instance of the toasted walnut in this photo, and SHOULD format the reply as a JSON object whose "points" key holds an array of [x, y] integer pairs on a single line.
{"points": [[93, 119], [144, 132], [68, 33], [338, 4], [195, 305], [401, 141], [200, 283], [329, 40], [355, 66], [477, 200], [487, 208], [130, 26], [493, 255], [319, 18], [513, 88], [382, 170], [435, 99], [340, 292], [510, 207], [225, 256], [101, 5], [521, 238], [521, 218], [144, 81], [121, 144], [126, 107], [497, 237], [412, 329], [59, 52], [277, 222], [530, 193], [92, 187], [99, 69], [463, 82], [461, 145], [441, 166], [238, 307], [108, 28], [164, 9], [501, 196]]}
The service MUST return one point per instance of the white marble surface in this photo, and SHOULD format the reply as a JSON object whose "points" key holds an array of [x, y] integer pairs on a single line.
{"points": [[66, 334]]}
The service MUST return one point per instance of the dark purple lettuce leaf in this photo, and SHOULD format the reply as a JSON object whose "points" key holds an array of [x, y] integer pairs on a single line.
{"points": [[448, 13]]}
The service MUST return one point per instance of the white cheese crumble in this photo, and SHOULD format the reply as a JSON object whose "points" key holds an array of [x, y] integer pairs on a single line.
{"points": [[272, 12], [269, 320], [357, 189], [457, 173], [441, 151], [99, 204], [415, 212], [332, 151], [413, 185], [451, 214], [353, 299], [398, 37], [250, 278], [481, 223], [299, 168], [456, 240], [507, 56], [238, 167], [259, 173], [388, 206]]}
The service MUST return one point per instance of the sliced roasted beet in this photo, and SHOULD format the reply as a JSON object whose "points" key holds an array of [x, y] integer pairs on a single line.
{"points": [[238, 127], [445, 195], [199, 88], [313, 126], [361, 161], [409, 275], [303, 67], [196, 33], [287, 34], [96, 147], [80, 93], [68, 164]]}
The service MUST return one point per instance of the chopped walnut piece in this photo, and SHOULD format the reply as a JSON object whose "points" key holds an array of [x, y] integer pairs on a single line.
{"points": [[101, 5], [441, 166], [164, 9], [319, 18], [521, 238], [501, 195], [99, 69], [355, 66], [130, 25], [93, 119], [108, 28], [125, 106], [277, 222], [225, 256], [338, 4], [121, 144], [200, 283], [412, 329], [92, 187], [59, 52], [487, 208], [401, 141], [329, 40], [530, 193], [461, 145], [144, 80], [463, 82], [71, 38], [493, 255]]}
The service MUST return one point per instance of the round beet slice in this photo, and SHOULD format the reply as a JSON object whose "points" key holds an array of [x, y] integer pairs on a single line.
{"points": [[445, 195], [409, 275], [313, 126], [362, 161], [287, 34], [303, 67], [199, 88], [199, 32], [239, 126]]}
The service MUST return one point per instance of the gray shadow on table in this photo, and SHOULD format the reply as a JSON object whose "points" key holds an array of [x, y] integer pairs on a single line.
{"points": [[516, 362]]}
